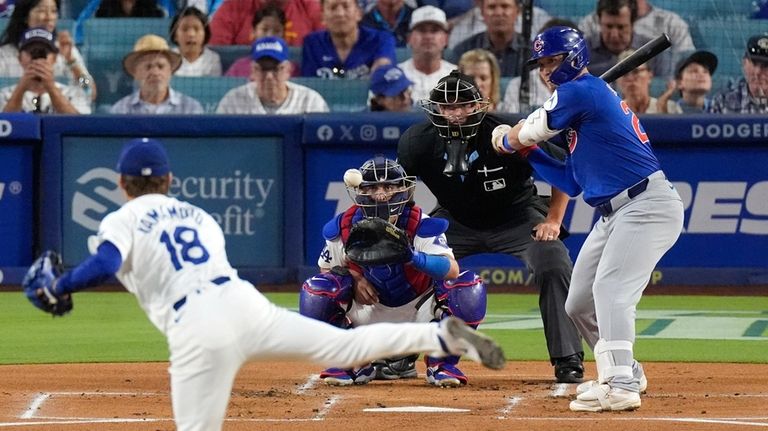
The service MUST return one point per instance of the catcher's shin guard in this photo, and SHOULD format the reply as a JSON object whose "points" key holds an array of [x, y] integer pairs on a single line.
{"points": [[465, 297], [327, 297]]}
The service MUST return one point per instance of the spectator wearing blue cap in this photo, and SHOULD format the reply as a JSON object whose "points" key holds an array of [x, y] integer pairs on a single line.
{"points": [[36, 90], [391, 90], [270, 91]]}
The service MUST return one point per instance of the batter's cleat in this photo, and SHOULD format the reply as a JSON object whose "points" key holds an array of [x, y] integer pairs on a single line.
{"points": [[569, 369], [589, 384], [396, 368], [460, 339], [341, 377], [445, 376], [603, 398]]}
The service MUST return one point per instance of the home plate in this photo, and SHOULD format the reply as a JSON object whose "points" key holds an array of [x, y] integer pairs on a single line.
{"points": [[416, 409]]}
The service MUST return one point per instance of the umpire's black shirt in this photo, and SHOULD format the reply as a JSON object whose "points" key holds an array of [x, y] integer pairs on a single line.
{"points": [[490, 194]]}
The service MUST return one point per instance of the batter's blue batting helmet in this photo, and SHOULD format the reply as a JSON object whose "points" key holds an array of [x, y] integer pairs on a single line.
{"points": [[557, 41]]}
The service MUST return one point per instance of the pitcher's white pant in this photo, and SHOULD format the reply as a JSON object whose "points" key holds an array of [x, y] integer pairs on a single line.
{"points": [[222, 327], [616, 261]]}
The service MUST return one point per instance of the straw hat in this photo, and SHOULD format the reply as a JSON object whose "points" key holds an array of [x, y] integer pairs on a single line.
{"points": [[150, 44]]}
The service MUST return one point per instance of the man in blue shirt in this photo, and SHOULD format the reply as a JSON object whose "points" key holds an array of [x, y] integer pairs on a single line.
{"points": [[345, 50]]}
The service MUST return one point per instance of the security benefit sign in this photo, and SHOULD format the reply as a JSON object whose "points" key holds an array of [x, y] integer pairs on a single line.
{"points": [[236, 180], [16, 165]]}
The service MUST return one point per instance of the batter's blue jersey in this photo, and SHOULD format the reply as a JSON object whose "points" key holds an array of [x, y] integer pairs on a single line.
{"points": [[320, 59], [609, 150]]}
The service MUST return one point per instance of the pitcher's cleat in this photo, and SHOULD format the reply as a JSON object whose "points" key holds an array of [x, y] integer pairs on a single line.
{"points": [[460, 339]]}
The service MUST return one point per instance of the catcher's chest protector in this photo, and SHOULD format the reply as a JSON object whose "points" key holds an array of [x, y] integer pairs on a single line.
{"points": [[408, 221], [414, 282]]}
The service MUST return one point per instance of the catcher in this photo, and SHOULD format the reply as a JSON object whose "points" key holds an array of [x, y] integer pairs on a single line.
{"points": [[386, 261]]}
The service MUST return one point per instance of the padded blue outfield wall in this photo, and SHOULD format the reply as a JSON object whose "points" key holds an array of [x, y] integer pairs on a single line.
{"points": [[272, 182]]}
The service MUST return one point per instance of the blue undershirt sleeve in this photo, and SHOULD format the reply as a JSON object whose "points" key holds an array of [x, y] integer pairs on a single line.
{"points": [[553, 171], [435, 266], [93, 271]]}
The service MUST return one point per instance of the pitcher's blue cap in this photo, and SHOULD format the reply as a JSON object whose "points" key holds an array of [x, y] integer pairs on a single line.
{"points": [[143, 157]]}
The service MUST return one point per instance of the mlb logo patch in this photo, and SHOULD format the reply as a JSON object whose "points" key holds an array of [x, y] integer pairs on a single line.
{"points": [[494, 185]]}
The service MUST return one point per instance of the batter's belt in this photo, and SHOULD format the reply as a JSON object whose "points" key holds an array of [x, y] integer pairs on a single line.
{"points": [[621, 199]]}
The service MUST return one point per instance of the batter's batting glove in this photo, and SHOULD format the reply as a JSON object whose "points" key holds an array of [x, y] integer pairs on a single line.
{"points": [[500, 140], [39, 285]]}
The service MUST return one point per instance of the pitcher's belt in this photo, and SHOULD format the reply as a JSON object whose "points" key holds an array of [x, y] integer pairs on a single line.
{"points": [[218, 280]]}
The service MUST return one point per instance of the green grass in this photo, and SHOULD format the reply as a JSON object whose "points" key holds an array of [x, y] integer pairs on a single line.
{"points": [[110, 327]]}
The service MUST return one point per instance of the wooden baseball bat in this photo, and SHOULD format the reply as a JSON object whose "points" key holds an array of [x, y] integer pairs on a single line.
{"points": [[640, 56]]}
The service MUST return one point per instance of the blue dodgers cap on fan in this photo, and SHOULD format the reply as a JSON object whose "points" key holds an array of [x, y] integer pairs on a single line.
{"points": [[38, 35], [389, 81], [270, 46], [143, 157]]}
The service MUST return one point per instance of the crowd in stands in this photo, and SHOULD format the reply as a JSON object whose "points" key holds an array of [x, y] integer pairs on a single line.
{"points": [[400, 48]]}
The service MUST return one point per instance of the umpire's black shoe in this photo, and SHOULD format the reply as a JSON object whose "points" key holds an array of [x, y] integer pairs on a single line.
{"points": [[569, 369]]}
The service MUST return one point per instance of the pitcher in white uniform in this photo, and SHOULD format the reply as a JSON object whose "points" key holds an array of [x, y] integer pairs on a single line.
{"points": [[171, 255]]}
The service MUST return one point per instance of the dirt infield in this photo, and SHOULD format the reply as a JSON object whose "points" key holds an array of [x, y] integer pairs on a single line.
{"points": [[289, 396]]}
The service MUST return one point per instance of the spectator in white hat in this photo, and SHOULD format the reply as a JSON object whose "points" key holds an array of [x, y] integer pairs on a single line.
{"points": [[428, 38], [270, 91], [151, 64]]}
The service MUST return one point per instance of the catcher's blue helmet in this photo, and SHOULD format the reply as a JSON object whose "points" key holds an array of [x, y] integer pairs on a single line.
{"points": [[561, 40]]}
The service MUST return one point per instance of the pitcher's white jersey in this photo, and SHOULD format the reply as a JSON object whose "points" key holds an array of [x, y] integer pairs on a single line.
{"points": [[168, 248]]}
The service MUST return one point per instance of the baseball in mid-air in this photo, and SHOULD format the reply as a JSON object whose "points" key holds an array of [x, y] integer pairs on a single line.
{"points": [[353, 177]]}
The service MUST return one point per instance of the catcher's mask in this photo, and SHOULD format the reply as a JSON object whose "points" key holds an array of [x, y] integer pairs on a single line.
{"points": [[456, 108], [385, 189]]}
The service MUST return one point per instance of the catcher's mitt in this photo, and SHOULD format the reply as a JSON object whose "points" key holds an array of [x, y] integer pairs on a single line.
{"points": [[38, 285], [374, 241]]}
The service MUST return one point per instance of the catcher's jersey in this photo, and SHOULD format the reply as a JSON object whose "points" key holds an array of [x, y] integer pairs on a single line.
{"points": [[392, 283], [169, 248], [609, 150]]}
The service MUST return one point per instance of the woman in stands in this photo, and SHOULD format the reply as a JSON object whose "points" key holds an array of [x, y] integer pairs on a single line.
{"points": [[269, 21], [43, 13], [484, 67], [190, 32]]}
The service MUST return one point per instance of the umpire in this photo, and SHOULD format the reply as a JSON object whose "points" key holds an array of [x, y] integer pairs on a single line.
{"points": [[492, 205]]}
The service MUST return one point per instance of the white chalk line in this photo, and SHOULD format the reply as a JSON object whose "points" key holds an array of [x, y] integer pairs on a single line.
{"points": [[326, 408], [42, 397], [308, 385], [511, 403], [36, 403]]}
